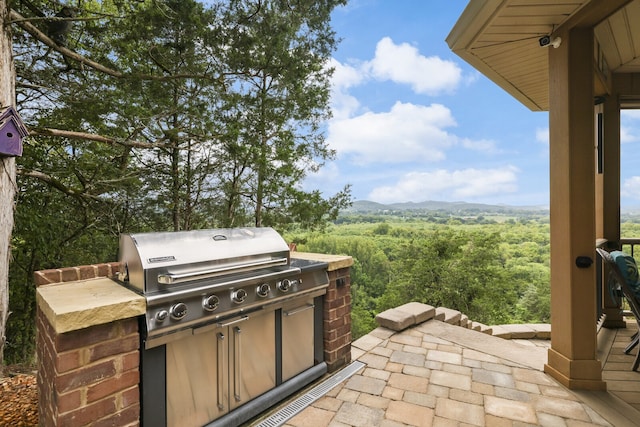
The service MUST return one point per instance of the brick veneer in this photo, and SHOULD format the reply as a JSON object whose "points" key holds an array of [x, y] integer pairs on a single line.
{"points": [[337, 320], [69, 274], [91, 376]]}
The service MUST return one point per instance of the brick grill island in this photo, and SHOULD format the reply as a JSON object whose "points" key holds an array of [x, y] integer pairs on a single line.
{"points": [[88, 342]]}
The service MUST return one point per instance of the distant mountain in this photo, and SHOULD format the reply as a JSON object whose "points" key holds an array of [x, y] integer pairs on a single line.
{"points": [[366, 206]]}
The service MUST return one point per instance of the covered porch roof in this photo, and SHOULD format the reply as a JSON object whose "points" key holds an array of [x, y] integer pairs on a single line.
{"points": [[584, 73], [500, 38]]}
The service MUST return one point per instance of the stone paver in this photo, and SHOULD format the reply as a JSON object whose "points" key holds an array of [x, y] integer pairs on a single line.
{"points": [[460, 411], [494, 378], [414, 379], [357, 415], [366, 384], [447, 379], [511, 409], [408, 413], [444, 356], [409, 382]]}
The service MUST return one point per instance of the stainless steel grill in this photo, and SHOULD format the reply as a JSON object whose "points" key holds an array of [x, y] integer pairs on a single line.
{"points": [[230, 319]]}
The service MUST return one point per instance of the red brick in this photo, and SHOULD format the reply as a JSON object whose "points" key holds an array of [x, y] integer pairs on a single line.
{"points": [[343, 311], [69, 274], [343, 330], [68, 360], [87, 272], [338, 302], [111, 386], [84, 376], [331, 324], [335, 314], [114, 268], [114, 347], [126, 417], [128, 326], [46, 277], [69, 401], [88, 414], [330, 335], [89, 336], [131, 361], [130, 397]]}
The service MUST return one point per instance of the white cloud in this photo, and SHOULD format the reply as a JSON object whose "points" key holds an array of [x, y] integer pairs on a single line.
{"points": [[542, 135], [628, 134], [483, 145], [344, 75], [344, 105], [406, 133], [630, 114], [631, 188], [404, 64], [628, 128], [464, 184]]}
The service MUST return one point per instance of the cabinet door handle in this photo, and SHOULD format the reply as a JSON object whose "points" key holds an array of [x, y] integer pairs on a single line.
{"points": [[238, 358], [299, 310], [233, 322], [220, 348]]}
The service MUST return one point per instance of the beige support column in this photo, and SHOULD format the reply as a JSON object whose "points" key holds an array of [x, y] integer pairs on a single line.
{"points": [[608, 183], [572, 356]]}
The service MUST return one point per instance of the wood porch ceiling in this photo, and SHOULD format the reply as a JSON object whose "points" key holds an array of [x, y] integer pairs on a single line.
{"points": [[500, 38]]}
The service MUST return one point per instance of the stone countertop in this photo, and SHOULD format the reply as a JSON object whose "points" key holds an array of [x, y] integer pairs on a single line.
{"points": [[71, 306], [335, 262]]}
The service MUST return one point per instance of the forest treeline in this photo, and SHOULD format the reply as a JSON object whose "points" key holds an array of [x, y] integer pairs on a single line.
{"points": [[494, 271]]}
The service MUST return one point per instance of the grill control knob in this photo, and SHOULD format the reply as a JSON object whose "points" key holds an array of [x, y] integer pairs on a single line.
{"points": [[162, 315], [239, 296], [263, 290], [284, 285], [210, 302], [178, 311]]}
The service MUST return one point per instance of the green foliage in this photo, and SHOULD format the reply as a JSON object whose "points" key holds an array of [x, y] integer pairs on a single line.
{"points": [[201, 114], [495, 272], [454, 269]]}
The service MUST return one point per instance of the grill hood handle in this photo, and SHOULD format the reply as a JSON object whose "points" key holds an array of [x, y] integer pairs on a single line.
{"points": [[172, 278]]}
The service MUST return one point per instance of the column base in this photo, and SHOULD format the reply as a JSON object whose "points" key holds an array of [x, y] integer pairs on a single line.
{"points": [[614, 318], [575, 374]]}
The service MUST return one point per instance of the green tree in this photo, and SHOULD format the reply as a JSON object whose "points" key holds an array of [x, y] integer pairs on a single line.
{"points": [[276, 98], [369, 274], [167, 114], [462, 271]]}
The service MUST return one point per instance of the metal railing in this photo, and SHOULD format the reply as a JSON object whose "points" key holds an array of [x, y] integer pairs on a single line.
{"points": [[627, 245]]}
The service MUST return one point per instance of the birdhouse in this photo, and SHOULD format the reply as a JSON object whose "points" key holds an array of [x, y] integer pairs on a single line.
{"points": [[12, 131]]}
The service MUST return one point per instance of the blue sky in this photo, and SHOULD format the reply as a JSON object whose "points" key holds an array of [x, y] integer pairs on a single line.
{"points": [[414, 122]]}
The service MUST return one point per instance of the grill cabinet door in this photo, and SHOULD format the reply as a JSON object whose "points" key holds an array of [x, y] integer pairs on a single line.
{"points": [[219, 368], [252, 357], [297, 338], [197, 378]]}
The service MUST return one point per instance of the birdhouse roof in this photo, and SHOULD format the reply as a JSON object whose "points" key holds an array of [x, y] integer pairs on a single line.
{"points": [[9, 114]]}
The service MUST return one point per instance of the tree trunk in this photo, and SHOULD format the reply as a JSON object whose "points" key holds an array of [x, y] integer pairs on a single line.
{"points": [[7, 174]]}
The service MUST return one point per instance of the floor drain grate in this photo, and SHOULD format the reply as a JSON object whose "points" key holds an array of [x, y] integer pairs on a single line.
{"points": [[280, 417]]}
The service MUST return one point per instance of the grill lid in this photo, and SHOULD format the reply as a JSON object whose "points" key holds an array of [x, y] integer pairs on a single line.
{"points": [[152, 261]]}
